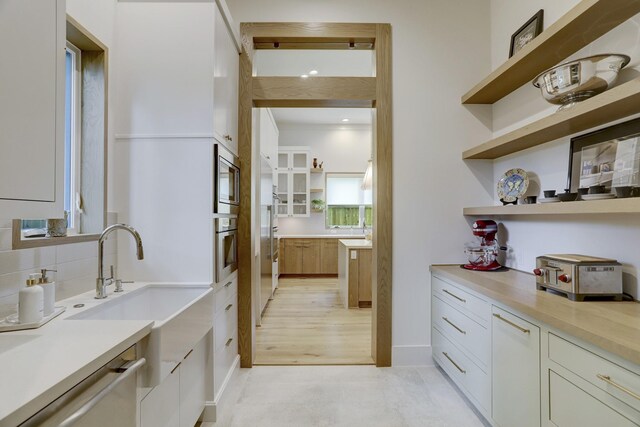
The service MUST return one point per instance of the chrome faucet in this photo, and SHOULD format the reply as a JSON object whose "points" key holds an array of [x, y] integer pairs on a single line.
{"points": [[101, 281]]}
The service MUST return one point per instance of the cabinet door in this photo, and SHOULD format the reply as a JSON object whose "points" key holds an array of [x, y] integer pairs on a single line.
{"points": [[299, 160], [516, 370], [300, 194], [282, 181], [364, 276], [193, 385], [161, 407], [329, 256], [292, 256], [233, 64], [311, 256], [32, 96], [225, 85]]}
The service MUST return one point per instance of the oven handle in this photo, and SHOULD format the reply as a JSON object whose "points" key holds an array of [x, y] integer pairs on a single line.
{"points": [[131, 369]]}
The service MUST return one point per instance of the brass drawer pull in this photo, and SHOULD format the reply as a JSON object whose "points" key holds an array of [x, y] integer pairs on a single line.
{"points": [[228, 284], [454, 363], [227, 308], [228, 342], [454, 295], [607, 379], [452, 324], [509, 322]]}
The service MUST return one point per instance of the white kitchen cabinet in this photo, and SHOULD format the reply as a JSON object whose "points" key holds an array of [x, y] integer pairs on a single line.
{"points": [[32, 73], [515, 352], [225, 85], [161, 407], [180, 399], [293, 179], [268, 136]]}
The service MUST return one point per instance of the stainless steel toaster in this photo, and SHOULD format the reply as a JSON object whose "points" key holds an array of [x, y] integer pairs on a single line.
{"points": [[579, 276]]}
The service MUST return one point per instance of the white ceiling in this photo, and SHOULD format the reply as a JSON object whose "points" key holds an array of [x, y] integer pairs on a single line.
{"points": [[322, 116]]}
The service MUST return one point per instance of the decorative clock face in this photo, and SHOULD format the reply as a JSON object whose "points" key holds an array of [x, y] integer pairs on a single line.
{"points": [[512, 185]]}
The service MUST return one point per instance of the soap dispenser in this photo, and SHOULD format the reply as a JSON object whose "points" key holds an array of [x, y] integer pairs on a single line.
{"points": [[49, 292], [30, 301]]}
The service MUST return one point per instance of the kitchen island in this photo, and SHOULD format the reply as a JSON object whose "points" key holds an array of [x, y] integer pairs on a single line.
{"points": [[354, 272]]}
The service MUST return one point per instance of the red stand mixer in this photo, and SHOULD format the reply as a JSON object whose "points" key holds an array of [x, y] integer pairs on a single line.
{"points": [[483, 254]]}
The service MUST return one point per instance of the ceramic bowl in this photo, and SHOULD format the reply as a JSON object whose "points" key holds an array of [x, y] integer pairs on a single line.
{"points": [[624, 192], [568, 197], [597, 189]]}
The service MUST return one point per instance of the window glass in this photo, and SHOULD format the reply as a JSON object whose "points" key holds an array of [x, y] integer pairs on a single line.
{"points": [[348, 205]]}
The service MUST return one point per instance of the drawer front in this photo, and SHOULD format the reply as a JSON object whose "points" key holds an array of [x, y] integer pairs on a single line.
{"points": [[224, 291], [225, 323], [470, 304], [223, 359], [462, 330], [461, 369], [604, 374], [570, 406]]}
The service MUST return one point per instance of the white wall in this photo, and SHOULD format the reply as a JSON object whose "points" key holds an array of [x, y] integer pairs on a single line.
{"points": [[76, 263], [342, 148], [440, 48], [612, 236]]}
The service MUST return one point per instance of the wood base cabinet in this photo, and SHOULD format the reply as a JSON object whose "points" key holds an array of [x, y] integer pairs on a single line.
{"points": [[308, 256], [515, 350]]}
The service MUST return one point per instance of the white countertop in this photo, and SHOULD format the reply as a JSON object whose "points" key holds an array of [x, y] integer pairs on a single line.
{"points": [[357, 244], [321, 236], [39, 365]]}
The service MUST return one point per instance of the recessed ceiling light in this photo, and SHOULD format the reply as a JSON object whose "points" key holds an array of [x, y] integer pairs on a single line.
{"points": [[304, 76], [345, 120], [313, 72]]}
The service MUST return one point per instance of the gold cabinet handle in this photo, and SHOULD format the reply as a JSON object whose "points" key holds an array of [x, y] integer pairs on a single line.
{"points": [[227, 308], [228, 342], [509, 322], [454, 295], [607, 379], [454, 363], [452, 324]]}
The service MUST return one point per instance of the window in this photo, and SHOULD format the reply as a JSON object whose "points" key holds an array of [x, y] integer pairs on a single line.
{"points": [[348, 205]]}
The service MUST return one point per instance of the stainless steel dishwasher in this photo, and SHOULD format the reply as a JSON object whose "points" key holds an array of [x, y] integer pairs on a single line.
{"points": [[105, 398]]}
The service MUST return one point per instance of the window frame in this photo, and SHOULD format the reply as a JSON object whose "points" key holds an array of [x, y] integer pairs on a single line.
{"points": [[362, 207], [76, 139]]}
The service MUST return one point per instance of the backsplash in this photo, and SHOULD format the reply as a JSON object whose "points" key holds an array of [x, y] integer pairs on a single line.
{"points": [[77, 265]]}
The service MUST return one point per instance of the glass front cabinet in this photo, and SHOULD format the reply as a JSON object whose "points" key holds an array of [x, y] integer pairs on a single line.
{"points": [[292, 179]]}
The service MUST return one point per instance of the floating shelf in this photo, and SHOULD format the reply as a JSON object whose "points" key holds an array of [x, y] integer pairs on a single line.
{"points": [[316, 190], [583, 24], [614, 104], [591, 207], [316, 170]]}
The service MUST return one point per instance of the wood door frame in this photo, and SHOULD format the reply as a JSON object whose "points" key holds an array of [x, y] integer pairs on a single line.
{"points": [[331, 92]]}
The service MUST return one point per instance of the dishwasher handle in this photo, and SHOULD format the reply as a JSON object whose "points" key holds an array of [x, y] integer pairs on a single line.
{"points": [[130, 370]]}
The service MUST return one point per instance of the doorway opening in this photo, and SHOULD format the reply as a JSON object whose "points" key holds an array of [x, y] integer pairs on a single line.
{"points": [[314, 296]]}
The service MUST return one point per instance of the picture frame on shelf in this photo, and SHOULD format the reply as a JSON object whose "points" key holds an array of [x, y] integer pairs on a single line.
{"points": [[525, 34], [609, 157]]}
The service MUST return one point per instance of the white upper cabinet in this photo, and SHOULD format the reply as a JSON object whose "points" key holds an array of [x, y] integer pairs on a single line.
{"points": [[32, 86], [225, 85], [269, 136]]}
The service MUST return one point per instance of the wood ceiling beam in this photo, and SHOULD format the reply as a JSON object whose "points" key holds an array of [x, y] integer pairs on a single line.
{"points": [[311, 32], [328, 92]]}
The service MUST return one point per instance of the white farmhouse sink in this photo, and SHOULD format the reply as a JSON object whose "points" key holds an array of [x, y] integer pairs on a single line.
{"points": [[182, 315]]}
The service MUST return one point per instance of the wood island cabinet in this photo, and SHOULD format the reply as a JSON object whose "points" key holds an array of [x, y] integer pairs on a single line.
{"points": [[329, 256]]}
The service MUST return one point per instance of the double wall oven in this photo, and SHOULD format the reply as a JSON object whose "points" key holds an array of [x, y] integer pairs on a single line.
{"points": [[226, 207]]}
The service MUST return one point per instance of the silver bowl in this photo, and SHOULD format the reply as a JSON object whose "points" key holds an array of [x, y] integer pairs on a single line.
{"points": [[571, 82]]}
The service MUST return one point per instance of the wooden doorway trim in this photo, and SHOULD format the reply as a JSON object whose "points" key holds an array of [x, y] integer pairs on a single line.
{"points": [[331, 92]]}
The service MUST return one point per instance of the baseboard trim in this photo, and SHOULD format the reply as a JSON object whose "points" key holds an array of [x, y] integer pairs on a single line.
{"points": [[411, 355], [212, 408]]}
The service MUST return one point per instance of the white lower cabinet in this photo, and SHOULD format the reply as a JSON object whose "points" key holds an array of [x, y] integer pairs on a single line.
{"points": [[515, 350], [180, 399], [225, 336]]}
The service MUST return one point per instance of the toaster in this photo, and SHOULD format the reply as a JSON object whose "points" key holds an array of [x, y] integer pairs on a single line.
{"points": [[579, 276]]}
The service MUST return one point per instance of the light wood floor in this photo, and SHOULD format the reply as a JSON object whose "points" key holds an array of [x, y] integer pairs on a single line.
{"points": [[305, 324]]}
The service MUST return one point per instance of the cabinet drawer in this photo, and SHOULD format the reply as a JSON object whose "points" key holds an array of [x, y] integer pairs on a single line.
{"points": [[461, 369], [604, 374], [473, 306], [223, 359], [225, 323], [461, 329], [224, 291], [570, 406]]}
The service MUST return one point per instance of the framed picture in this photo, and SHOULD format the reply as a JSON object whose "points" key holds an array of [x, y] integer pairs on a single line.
{"points": [[609, 157], [529, 31]]}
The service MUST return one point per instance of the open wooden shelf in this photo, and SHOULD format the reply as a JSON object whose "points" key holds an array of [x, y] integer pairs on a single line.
{"points": [[583, 24], [614, 104], [316, 170], [316, 190], [611, 206]]}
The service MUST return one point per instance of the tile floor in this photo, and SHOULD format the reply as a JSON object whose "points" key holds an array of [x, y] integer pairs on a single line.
{"points": [[353, 396]]}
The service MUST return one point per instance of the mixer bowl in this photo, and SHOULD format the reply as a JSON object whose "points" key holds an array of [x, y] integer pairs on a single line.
{"points": [[571, 82], [481, 255]]}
